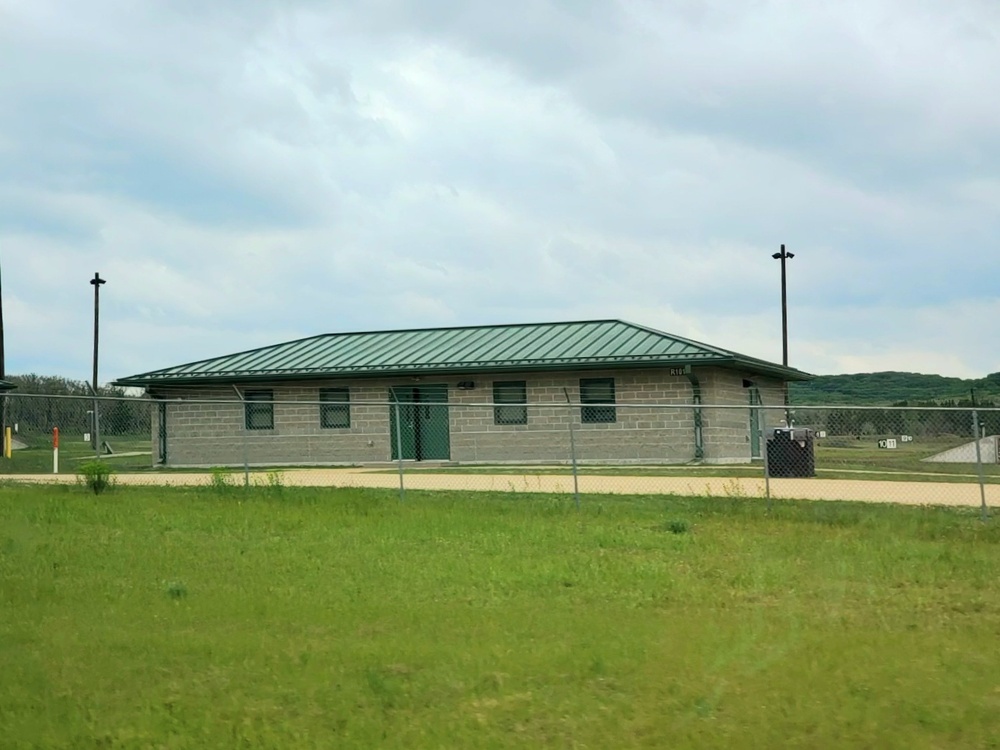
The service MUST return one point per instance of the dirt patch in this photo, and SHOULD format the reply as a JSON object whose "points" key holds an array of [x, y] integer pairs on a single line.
{"points": [[906, 493]]}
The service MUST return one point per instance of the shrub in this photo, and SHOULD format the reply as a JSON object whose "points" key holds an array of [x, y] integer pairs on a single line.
{"points": [[96, 475], [222, 480], [176, 590], [678, 527], [272, 482]]}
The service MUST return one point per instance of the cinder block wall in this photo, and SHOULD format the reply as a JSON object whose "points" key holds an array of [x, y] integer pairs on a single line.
{"points": [[212, 434], [727, 431], [203, 431], [640, 433]]}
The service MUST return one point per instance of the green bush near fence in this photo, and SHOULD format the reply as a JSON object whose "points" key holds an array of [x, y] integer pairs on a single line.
{"points": [[192, 618], [95, 475]]}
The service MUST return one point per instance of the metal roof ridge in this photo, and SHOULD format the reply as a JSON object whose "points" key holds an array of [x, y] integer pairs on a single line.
{"points": [[479, 327], [692, 342]]}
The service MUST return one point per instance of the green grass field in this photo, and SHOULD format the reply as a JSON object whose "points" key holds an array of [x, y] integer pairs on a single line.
{"points": [[908, 458], [286, 618], [37, 457]]}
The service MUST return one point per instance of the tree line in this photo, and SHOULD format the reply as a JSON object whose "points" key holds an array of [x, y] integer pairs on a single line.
{"points": [[886, 388], [33, 415]]}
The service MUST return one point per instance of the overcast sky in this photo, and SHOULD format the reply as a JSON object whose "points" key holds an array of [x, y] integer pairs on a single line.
{"points": [[244, 173]]}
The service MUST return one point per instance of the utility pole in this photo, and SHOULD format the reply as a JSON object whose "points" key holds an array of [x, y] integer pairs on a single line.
{"points": [[96, 282], [784, 256]]}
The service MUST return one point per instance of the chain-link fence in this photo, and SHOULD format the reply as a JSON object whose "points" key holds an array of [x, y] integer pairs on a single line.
{"points": [[84, 428], [897, 454]]}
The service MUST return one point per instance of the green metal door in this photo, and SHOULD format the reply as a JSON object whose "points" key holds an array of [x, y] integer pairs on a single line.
{"points": [[754, 423], [433, 438], [422, 417], [402, 423]]}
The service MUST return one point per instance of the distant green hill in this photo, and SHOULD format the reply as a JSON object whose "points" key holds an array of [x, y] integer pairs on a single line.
{"points": [[888, 388]]}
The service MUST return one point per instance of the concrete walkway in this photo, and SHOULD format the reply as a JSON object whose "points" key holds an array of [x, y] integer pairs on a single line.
{"points": [[908, 493]]}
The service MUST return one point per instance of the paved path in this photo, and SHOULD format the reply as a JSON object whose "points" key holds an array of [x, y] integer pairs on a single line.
{"points": [[908, 493]]}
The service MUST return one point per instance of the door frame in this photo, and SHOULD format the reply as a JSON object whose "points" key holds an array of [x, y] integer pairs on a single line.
{"points": [[406, 401], [755, 423]]}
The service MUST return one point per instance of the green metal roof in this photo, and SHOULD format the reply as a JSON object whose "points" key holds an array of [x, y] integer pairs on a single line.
{"points": [[534, 346], [6, 385]]}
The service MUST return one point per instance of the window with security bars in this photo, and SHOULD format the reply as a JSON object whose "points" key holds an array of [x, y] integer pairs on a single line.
{"points": [[259, 410], [511, 398], [334, 408], [598, 397]]}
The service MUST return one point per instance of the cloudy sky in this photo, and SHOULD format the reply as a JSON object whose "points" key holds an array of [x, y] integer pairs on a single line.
{"points": [[246, 172]]}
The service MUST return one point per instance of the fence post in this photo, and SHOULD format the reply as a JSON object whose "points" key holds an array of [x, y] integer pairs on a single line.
{"points": [[161, 433], [55, 450], [979, 464], [399, 446], [763, 449], [97, 429], [3, 420], [95, 425], [243, 437], [572, 449]]}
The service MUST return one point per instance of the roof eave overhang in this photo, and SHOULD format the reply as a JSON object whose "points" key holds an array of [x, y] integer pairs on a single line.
{"points": [[780, 372], [370, 374], [762, 368]]}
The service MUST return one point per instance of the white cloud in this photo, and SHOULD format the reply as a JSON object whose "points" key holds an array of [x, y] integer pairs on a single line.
{"points": [[295, 169]]}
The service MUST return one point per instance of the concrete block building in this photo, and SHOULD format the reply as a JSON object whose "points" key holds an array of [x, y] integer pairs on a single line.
{"points": [[483, 394]]}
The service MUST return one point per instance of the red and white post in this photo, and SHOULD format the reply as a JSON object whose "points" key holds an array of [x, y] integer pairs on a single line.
{"points": [[55, 450]]}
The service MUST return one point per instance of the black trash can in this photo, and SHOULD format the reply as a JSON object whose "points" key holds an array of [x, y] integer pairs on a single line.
{"points": [[791, 452]]}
